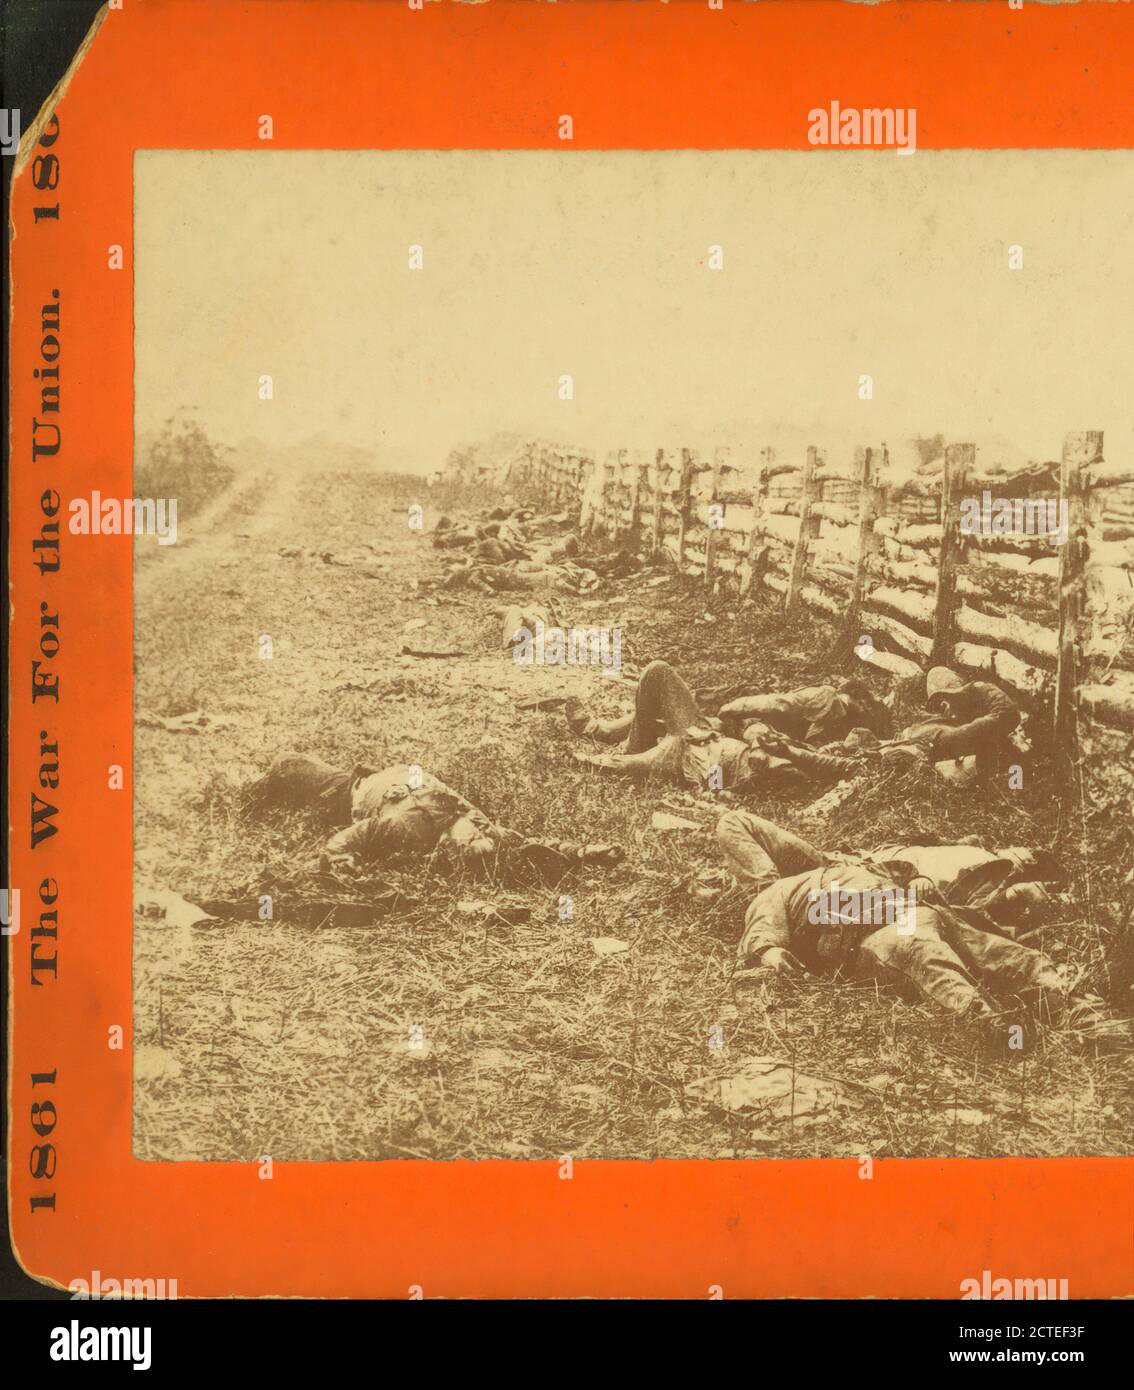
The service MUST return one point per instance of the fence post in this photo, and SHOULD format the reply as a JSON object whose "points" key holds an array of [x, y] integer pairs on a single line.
{"points": [[610, 494], [636, 467], [712, 536], [656, 526], [867, 512], [614, 526], [1080, 451], [683, 506], [808, 530], [959, 460], [759, 500], [587, 466]]}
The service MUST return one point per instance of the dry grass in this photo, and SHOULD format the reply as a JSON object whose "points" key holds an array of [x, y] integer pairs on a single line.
{"points": [[293, 1040]]}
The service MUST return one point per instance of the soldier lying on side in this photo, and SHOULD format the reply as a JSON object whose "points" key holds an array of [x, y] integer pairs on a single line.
{"points": [[404, 812]]}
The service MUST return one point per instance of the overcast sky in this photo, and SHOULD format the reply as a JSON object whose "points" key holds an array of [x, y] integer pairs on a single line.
{"points": [[294, 264]]}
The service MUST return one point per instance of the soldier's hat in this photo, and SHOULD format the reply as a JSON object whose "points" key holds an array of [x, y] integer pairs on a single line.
{"points": [[940, 680]]}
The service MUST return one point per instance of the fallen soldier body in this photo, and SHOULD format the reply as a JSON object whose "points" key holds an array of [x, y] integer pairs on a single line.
{"points": [[508, 530], [499, 541], [668, 737], [961, 720], [528, 575], [1010, 885], [955, 958], [813, 715], [404, 812]]}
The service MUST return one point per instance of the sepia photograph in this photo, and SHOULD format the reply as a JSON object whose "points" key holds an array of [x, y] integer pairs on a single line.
{"points": [[571, 673], [633, 653]]}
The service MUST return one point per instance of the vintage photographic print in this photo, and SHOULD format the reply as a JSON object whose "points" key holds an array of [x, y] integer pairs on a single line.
{"points": [[632, 652], [572, 665]]}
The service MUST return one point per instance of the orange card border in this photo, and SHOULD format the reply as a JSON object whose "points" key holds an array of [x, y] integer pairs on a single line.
{"points": [[197, 74]]}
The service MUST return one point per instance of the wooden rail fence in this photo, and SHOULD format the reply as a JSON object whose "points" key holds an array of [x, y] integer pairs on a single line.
{"points": [[888, 558]]}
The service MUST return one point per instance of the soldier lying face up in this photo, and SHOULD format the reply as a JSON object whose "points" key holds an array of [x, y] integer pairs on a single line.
{"points": [[811, 715], [668, 737], [817, 912]]}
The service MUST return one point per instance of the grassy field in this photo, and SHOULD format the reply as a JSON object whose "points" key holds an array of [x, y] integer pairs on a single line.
{"points": [[293, 1040]]}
